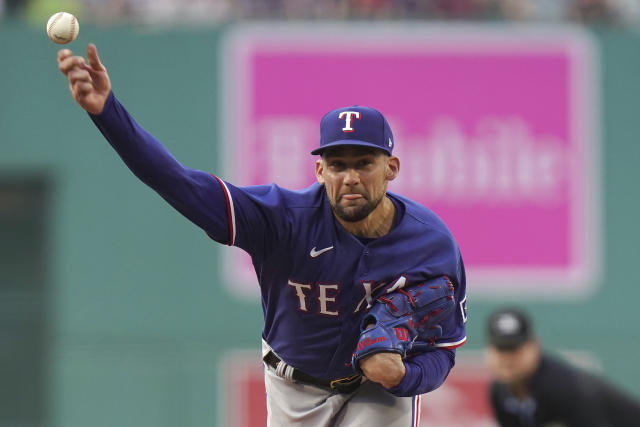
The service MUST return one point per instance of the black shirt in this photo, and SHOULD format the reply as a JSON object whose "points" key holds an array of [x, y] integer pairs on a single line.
{"points": [[560, 394]]}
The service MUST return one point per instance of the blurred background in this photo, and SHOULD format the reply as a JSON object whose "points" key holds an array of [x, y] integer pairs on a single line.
{"points": [[114, 310]]}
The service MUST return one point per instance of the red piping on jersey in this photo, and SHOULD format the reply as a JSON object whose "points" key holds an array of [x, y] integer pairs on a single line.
{"points": [[416, 411], [451, 347], [228, 202]]}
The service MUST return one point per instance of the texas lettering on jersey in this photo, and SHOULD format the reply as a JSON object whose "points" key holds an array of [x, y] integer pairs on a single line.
{"points": [[320, 292], [325, 294]]}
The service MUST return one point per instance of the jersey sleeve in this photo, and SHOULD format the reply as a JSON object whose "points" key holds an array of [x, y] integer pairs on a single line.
{"points": [[257, 216], [425, 372], [252, 218], [454, 325], [197, 195]]}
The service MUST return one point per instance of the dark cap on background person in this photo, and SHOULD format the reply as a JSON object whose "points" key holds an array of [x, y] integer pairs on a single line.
{"points": [[508, 329], [355, 125]]}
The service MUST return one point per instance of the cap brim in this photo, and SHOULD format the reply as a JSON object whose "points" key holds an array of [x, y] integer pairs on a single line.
{"points": [[355, 142], [508, 343]]}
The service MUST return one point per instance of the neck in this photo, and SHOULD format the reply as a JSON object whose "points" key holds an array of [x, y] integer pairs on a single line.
{"points": [[376, 224], [520, 390]]}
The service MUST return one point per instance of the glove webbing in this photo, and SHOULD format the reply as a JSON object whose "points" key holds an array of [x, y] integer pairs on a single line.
{"points": [[393, 307]]}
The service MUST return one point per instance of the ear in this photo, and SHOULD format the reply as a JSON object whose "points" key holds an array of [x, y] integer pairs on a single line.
{"points": [[392, 168], [319, 170]]}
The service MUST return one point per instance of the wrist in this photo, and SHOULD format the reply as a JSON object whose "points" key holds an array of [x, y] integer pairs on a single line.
{"points": [[107, 103], [396, 376]]}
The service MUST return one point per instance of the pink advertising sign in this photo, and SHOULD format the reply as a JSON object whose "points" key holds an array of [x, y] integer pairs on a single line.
{"points": [[496, 130]]}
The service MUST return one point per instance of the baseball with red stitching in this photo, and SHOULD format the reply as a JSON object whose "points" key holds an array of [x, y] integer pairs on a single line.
{"points": [[63, 27]]}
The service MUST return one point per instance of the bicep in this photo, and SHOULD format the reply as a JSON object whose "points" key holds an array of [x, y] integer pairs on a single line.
{"points": [[257, 218], [235, 216]]}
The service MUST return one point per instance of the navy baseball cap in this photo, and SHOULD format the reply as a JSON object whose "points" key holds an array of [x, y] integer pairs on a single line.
{"points": [[355, 125], [508, 329]]}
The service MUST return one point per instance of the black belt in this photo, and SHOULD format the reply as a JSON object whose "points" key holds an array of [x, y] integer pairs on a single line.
{"points": [[341, 385]]}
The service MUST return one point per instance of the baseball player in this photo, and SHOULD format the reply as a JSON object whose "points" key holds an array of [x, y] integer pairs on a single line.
{"points": [[363, 290]]}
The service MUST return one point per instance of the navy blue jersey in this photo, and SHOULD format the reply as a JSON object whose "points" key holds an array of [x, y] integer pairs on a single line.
{"points": [[316, 279]]}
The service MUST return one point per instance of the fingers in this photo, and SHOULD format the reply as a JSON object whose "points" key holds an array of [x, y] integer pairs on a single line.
{"points": [[88, 82], [78, 75], [67, 62], [94, 59], [80, 83], [81, 89], [63, 54]]}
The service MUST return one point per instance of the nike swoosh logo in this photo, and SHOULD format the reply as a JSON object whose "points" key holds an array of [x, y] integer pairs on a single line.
{"points": [[315, 253]]}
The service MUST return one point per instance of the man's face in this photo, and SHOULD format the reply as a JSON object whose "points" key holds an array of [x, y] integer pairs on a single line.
{"points": [[355, 179], [513, 366]]}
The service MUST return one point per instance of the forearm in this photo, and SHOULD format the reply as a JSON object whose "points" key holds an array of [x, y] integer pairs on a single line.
{"points": [[195, 194], [425, 372]]}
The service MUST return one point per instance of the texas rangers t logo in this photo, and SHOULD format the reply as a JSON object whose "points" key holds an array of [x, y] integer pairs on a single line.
{"points": [[348, 120]]}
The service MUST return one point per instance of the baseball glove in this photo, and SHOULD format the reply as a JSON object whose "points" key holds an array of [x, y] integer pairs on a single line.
{"points": [[406, 320]]}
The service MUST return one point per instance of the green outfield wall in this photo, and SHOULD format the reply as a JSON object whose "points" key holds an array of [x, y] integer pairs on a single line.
{"points": [[136, 314]]}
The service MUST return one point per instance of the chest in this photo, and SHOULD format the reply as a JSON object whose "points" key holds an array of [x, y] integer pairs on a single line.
{"points": [[334, 274]]}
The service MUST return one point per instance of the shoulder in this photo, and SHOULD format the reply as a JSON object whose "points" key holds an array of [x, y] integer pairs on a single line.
{"points": [[421, 218], [310, 197], [552, 365], [557, 376], [270, 210], [578, 378]]}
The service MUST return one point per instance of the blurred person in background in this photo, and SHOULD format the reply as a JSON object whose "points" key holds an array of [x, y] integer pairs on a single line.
{"points": [[594, 12], [533, 388], [12, 8], [207, 12], [37, 12]]}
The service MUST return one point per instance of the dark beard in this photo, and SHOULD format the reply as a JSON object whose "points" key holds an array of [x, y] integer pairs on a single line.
{"points": [[358, 213]]}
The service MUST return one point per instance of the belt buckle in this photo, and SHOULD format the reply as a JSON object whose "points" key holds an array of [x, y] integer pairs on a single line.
{"points": [[346, 384]]}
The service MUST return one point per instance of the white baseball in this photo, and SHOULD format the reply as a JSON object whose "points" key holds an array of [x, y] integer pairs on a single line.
{"points": [[62, 28]]}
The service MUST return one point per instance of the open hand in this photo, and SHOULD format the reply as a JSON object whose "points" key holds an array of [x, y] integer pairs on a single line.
{"points": [[89, 83]]}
